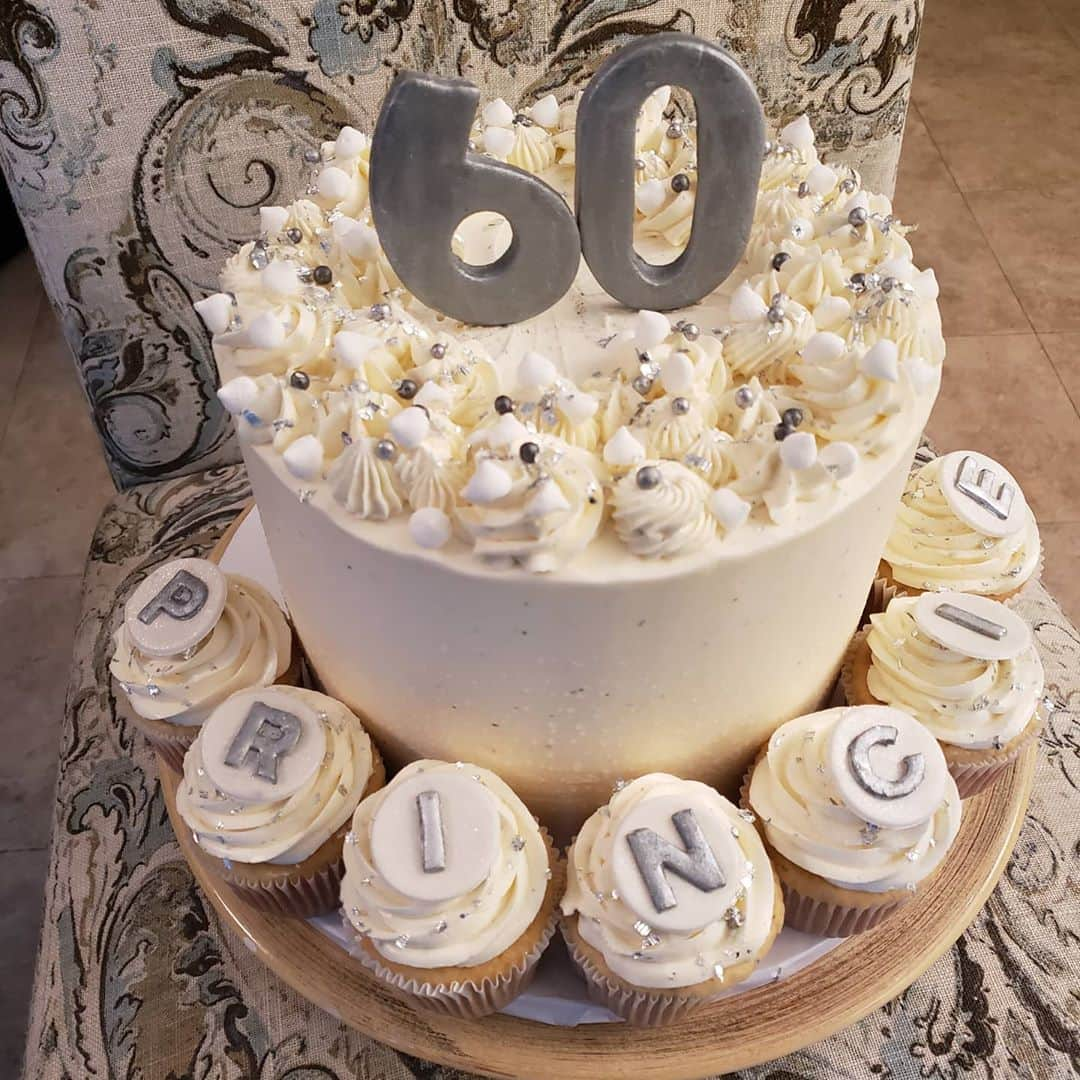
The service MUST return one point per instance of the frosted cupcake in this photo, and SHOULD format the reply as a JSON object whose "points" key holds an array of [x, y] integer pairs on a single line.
{"points": [[965, 666], [191, 636], [450, 887], [857, 809], [269, 786], [963, 524], [670, 899]]}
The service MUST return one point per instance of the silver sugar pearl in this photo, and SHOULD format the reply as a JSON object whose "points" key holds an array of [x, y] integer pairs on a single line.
{"points": [[675, 130], [642, 384], [744, 397], [385, 450], [438, 350], [380, 312], [857, 217], [847, 186], [775, 314], [648, 477], [680, 406], [690, 331], [312, 156], [294, 235]]}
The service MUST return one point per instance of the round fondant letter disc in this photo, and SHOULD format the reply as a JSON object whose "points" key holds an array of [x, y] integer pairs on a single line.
{"points": [[450, 807], [982, 493], [887, 768], [695, 905], [262, 745], [974, 626], [176, 606]]}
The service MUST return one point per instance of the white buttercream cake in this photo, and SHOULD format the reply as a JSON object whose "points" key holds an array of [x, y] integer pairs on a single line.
{"points": [[602, 542]]}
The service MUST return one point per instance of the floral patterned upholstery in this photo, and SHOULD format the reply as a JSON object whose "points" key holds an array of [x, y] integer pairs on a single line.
{"points": [[137, 978], [138, 138]]}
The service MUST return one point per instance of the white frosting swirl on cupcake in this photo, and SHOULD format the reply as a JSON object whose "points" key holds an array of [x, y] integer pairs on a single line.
{"points": [[964, 700], [418, 918], [800, 790], [738, 916], [931, 548], [250, 645], [282, 830]]}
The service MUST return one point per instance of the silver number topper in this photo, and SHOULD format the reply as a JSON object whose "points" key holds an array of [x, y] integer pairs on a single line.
{"points": [[269, 734], [978, 485], [183, 597], [424, 182], [970, 621], [432, 839], [911, 775], [653, 855], [730, 140]]}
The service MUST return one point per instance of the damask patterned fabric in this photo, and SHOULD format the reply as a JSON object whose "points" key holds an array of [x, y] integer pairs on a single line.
{"points": [[137, 978], [139, 136]]}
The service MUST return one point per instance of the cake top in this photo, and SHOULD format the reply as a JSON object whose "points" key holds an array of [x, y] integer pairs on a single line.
{"points": [[590, 428]]}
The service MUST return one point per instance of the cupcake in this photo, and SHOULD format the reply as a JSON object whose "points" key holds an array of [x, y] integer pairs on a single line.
{"points": [[964, 666], [857, 809], [269, 785], [670, 899], [191, 636], [450, 888], [963, 525]]}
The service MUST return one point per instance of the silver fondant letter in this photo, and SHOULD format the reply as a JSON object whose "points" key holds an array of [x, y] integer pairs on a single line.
{"points": [[182, 598], [424, 182], [911, 775], [730, 143], [970, 621], [269, 734], [653, 855], [432, 843], [979, 487]]}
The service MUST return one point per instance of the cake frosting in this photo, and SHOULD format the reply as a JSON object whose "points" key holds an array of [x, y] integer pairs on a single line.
{"points": [[462, 905], [815, 813], [942, 675], [828, 317], [237, 815], [931, 546], [704, 931], [245, 642], [491, 489]]}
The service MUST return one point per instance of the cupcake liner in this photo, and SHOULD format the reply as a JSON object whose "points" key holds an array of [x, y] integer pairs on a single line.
{"points": [[835, 911], [852, 675], [655, 1007], [882, 591], [472, 993], [973, 776], [309, 887]]}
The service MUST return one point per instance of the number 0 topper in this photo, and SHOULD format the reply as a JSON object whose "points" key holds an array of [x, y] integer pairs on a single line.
{"points": [[424, 182]]}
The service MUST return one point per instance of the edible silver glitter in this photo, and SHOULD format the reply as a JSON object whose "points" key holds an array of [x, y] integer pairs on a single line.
{"points": [[718, 972], [734, 918], [440, 927], [641, 928], [401, 941], [518, 843]]}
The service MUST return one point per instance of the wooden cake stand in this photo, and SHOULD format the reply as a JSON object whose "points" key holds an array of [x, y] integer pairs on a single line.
{"points": [[831, 993]]}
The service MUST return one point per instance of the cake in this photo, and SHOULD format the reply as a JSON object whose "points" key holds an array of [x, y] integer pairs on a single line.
{"points": [[581, 547]]}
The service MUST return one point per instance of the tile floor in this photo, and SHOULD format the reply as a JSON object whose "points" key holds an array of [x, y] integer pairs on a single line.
{"points": [[992, 194]]}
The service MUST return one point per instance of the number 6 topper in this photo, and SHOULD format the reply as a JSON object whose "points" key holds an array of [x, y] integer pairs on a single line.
{"points": [[424, 182]]}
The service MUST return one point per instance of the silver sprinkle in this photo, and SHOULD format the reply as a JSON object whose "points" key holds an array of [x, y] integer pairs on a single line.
{"points": [[401, 941], [718, 972], [518, 843], [641, 928], [440, 927]]}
